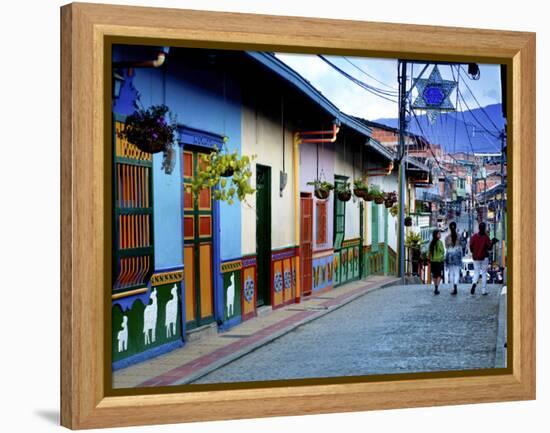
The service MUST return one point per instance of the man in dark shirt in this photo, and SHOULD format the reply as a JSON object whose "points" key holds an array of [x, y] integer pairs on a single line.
{"points": [[480, 245]]}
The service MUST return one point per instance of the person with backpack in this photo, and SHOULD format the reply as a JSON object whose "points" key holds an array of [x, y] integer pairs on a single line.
{"points": [[480, 246], [453, 257]]}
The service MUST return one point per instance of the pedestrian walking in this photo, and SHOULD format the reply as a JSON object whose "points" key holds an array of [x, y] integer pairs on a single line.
{"points": [[436, 254], [480, 246], [453, 257]]}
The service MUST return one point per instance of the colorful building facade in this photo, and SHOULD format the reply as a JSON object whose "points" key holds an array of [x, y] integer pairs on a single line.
{"points": [[185, 263]]}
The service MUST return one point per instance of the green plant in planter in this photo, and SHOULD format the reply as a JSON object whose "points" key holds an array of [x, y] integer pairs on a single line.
{"points": [[413, 240], [214, 170], [360, 188], [376, 194], [394, 210], [322, 188], [343, 191]]}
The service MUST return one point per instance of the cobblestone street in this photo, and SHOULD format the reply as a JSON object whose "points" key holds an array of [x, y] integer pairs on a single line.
{"points": [[392, 330]]}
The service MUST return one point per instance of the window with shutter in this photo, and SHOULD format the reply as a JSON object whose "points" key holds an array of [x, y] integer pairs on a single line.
{"points": [[133, 214]]}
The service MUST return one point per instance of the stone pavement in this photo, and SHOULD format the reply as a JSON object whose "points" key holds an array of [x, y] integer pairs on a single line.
{"points": [[198, 358], [400, 329]]}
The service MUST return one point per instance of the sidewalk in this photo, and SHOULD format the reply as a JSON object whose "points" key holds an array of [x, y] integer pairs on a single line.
{"points": [[198, 358]]}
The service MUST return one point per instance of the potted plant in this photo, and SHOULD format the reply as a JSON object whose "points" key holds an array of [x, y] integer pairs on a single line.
{"points": [[149, 129], [394, 210], [408, 221], [374, 191], [390, 198], [322, 188], [343, 191], [413, 241], [360, 188], [213, 170]]}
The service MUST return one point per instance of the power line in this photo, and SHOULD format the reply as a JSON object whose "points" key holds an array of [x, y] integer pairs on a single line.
{"points": [[477, 102], [429, 146], [467, 134], [475, 117], [375, 91], [369, 75]]}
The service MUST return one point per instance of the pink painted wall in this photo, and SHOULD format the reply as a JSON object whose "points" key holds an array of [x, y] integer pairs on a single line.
{"points": [[308, 173]]}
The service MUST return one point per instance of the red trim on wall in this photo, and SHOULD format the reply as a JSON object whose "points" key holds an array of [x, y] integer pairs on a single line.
{"points": [[254, 311]]}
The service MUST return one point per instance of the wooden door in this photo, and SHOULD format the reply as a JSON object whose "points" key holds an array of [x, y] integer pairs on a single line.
{"points": [[263, 233], [197, 249], [306, 239]]}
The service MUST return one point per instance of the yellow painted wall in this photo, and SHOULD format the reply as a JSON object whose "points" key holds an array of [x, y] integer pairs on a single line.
{"points": [[262, 135]]}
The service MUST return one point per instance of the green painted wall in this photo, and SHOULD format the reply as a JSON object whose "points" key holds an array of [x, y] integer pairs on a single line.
{"points": [[135, 340], [235, 310]]}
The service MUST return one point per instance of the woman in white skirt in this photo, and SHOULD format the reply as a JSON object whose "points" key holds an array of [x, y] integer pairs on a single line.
{"points": [[453, 257]]}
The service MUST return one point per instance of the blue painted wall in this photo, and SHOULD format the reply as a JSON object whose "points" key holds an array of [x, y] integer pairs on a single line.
{"points": [[196, 96]]}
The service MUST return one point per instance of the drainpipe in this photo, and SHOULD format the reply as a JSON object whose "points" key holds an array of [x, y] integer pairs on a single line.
{"points": [[380, 171], [296, 162], [154, 63], [332, 139]]}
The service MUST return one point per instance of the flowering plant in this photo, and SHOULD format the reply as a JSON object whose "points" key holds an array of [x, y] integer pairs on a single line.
{"points": [[149, 129]]}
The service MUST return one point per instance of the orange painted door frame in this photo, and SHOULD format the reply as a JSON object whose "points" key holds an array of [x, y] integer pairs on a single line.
{"points": [[197, 246]]}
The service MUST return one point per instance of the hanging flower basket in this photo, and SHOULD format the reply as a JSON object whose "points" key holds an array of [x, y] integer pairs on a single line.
{"points": [[360, 189], [322, 189], [322, 194], [343, 192], [214, 171], [360, 193], [408, 221], [390, 198], [149, 129], [344, 195], [375, 194]]}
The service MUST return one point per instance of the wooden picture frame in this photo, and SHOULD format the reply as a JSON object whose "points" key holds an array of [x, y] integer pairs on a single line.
{"points": [[84, 181]]}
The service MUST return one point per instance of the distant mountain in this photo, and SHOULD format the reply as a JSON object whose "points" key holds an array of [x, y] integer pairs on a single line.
{"points": [[469, 132]]}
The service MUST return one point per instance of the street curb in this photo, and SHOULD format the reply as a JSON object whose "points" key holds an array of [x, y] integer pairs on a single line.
{"points": [[501, 350], [276, 335]]}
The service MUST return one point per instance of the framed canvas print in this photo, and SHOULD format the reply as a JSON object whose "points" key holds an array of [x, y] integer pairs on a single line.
{"points": [[268, 216]]}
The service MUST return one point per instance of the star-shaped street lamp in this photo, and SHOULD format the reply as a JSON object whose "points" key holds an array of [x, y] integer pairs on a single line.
{"points": [[434, 94]]}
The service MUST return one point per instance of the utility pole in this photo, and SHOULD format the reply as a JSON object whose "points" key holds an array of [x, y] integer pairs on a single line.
{"points": [[402, 79]]}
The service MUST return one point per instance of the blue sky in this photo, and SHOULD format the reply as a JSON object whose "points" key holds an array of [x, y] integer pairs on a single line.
{"points": [[352, 99]]}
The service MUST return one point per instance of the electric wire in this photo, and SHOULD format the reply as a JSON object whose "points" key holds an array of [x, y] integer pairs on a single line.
{"points": [[369, 75], [373, 90], [477, 102]]}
